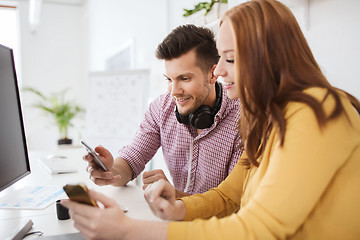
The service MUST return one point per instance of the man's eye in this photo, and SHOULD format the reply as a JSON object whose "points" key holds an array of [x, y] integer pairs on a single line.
{"points": [[230, 60], [185, 78], [168, 79]]}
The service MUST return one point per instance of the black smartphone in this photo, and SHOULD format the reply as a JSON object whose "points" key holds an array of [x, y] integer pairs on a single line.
{"points": [[79, 193], [95, 156]]}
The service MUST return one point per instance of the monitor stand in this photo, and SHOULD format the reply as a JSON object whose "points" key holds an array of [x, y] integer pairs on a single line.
{"points": [[20, 231]]}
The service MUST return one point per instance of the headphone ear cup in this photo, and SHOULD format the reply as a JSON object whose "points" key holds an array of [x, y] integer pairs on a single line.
{"points": [[202, 117]]}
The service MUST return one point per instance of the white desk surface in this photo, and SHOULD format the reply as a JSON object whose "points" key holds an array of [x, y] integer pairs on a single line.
{"points": [[45, 220]]}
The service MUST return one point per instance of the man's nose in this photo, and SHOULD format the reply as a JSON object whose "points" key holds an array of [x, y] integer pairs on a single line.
{"points": [[175, 88]]}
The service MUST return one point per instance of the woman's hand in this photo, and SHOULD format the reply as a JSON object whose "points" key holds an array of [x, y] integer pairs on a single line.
{"points": [[161, 197], [95, 223]]}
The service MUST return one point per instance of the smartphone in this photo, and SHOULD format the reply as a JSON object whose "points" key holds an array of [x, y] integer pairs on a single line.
{"points": [[95, 156], [79, 193]]}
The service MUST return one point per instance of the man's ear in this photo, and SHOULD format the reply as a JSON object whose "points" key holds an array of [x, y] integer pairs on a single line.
{"points": [[213, 77]]}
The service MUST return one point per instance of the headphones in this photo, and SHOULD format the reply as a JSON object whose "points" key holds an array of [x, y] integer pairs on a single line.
{"points": [[203, 117]]}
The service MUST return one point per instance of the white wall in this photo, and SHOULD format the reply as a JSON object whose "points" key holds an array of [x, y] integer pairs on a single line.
{"points": [[334, 37], [52, 59], [113, 23]]}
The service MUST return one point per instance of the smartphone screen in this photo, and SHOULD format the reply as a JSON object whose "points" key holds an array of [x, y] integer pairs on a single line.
{"points": [[79, 193], [95, 156]]}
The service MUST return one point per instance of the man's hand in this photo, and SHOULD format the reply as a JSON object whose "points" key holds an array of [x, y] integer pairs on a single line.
{"points": [[161, 197], [152, 176], [97, 175]]}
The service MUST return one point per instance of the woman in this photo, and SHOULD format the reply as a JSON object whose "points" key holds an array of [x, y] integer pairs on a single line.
{"points": [[299, 178]]}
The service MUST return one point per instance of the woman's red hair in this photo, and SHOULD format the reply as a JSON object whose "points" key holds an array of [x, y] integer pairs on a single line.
{"points": [[274, 65]]}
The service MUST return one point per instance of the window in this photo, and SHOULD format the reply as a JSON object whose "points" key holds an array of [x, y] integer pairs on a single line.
{"points": [[9, 32], [8, 29]]}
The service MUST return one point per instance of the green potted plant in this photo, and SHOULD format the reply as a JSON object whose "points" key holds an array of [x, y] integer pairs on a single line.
{"points": [[202, 5], [62, 111], [205, 13]]}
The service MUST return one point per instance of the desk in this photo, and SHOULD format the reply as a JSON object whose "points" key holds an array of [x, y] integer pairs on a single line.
{"points": [[45, 220]]}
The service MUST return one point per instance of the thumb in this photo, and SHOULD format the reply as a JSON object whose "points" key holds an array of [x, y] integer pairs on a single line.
{"points": [[102, 151], [105, 200]]}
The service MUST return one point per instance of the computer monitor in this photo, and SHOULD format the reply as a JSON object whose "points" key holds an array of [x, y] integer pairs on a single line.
{"points": [[14, 160]]}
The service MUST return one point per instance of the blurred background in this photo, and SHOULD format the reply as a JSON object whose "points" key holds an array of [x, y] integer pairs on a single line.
{"points": [[79, 44]]}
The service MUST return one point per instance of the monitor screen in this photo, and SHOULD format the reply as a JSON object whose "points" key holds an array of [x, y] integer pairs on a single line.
{"points": [[14, 161]]}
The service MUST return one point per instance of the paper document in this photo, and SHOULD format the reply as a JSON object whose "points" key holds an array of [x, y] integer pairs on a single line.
{"points": [[31, 197]]}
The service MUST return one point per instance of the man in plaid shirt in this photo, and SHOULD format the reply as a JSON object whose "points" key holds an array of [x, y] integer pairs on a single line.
{"points": [[194, 123]]}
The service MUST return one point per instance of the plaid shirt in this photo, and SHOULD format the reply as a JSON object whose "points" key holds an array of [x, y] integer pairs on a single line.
{"points": [[213, 153]]}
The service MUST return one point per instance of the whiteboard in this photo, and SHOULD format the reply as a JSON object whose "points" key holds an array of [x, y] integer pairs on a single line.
{"points": [[116, 106]]}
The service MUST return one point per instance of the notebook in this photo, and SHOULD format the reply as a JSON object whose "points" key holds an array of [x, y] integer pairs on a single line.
{"points": [[58, 164]]}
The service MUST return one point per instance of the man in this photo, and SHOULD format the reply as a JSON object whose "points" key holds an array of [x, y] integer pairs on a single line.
{"points": [[194, 122]]}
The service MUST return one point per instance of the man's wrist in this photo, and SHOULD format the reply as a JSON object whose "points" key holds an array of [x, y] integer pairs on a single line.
{"points": [[122, 168]]}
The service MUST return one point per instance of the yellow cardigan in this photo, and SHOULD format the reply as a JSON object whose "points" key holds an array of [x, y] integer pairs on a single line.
{"points": [[307, 189]]}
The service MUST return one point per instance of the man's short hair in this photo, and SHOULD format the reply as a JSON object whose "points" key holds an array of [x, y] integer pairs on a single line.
{"points": [[186, 38]]}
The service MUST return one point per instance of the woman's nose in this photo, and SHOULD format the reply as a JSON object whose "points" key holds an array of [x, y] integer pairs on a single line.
{"points": [[219, 71]]}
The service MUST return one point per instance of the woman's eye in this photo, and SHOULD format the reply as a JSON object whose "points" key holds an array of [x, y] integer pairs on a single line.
{"points": [[230, 60]]}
